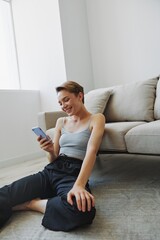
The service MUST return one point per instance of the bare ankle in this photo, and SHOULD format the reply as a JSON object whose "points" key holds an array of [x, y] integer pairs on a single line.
{"points": [[21, 207], [33, 205]]}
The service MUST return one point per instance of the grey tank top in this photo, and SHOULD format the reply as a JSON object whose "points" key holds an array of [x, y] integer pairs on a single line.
{"points": [[74, 144]]}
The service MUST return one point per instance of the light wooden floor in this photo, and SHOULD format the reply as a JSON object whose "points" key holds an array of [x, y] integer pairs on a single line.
{"points": [[11, 173]]}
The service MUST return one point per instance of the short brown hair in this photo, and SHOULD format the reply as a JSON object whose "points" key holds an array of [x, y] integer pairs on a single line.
{"points": [[72, 87]]}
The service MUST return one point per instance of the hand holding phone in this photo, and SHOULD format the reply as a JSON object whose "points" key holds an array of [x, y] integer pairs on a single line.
{"points": [[45, 141], [39, 132]]}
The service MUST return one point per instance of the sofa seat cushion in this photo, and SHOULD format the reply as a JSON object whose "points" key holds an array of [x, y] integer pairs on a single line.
{"points": [[132, 102], [144, 139], [113, 138]]}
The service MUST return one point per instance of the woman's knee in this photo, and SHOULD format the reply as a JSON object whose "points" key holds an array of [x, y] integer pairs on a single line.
{"points": [[61, 216], [83, 217], [4, 196], [5, 208]]}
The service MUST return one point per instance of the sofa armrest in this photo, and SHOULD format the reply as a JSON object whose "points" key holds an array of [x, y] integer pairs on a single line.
{"points": [[47, 120]]}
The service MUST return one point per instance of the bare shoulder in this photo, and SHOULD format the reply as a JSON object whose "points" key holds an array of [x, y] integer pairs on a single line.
{"points": [[60, 122], [98, 119]]}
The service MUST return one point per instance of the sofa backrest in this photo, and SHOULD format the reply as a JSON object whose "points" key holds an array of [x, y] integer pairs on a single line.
{"points": [[133, 102], [157, 101], [96, 100]]}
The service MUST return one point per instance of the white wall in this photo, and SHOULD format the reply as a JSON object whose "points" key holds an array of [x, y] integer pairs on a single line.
{"points": [[120, 45], [18, 115], [124, 37], [40, 48], [76, 42], [41, 64]]}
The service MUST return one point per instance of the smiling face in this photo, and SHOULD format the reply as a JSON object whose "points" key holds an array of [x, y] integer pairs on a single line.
{"points": [[70, 103]]}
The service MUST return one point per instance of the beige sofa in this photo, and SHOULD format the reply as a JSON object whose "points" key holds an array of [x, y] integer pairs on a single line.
{"points": [[132, 114]]}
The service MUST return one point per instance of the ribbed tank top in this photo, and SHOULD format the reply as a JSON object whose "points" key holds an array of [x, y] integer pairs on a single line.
{"points": [[74, 144]]}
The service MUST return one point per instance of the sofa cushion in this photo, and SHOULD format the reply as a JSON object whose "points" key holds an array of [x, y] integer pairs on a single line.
{"points": [[157, 102], [95, 101], [50, 132], [144, 139], [132, 102], [113, 138]]}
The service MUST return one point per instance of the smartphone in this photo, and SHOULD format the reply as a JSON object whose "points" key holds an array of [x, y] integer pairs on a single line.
{"points": [[39, 132]]}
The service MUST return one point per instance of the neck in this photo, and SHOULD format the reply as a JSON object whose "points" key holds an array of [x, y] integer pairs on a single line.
{"points": [[82, 114]]}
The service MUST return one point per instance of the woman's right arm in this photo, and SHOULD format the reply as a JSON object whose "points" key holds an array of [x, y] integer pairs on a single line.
{"points": [[52, 147]]}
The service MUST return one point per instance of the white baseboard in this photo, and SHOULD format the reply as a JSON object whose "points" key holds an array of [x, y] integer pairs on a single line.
{"points": [[20, 159]]}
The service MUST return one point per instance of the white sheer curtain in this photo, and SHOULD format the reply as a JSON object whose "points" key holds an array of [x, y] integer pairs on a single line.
{"points": [[9, 76]]}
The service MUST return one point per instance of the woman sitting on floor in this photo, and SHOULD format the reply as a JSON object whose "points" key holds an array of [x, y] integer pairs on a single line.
{"points": [[61, 191]]}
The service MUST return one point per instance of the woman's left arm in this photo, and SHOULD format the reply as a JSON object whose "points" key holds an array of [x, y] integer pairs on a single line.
{"points": [[85, 200]]}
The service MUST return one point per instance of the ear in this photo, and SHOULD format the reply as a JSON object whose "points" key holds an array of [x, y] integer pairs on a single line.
{"points": [[81, 96]]}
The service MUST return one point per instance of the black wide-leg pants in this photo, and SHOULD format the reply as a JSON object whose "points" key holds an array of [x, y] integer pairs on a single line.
{"points": [[53, 183]]}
